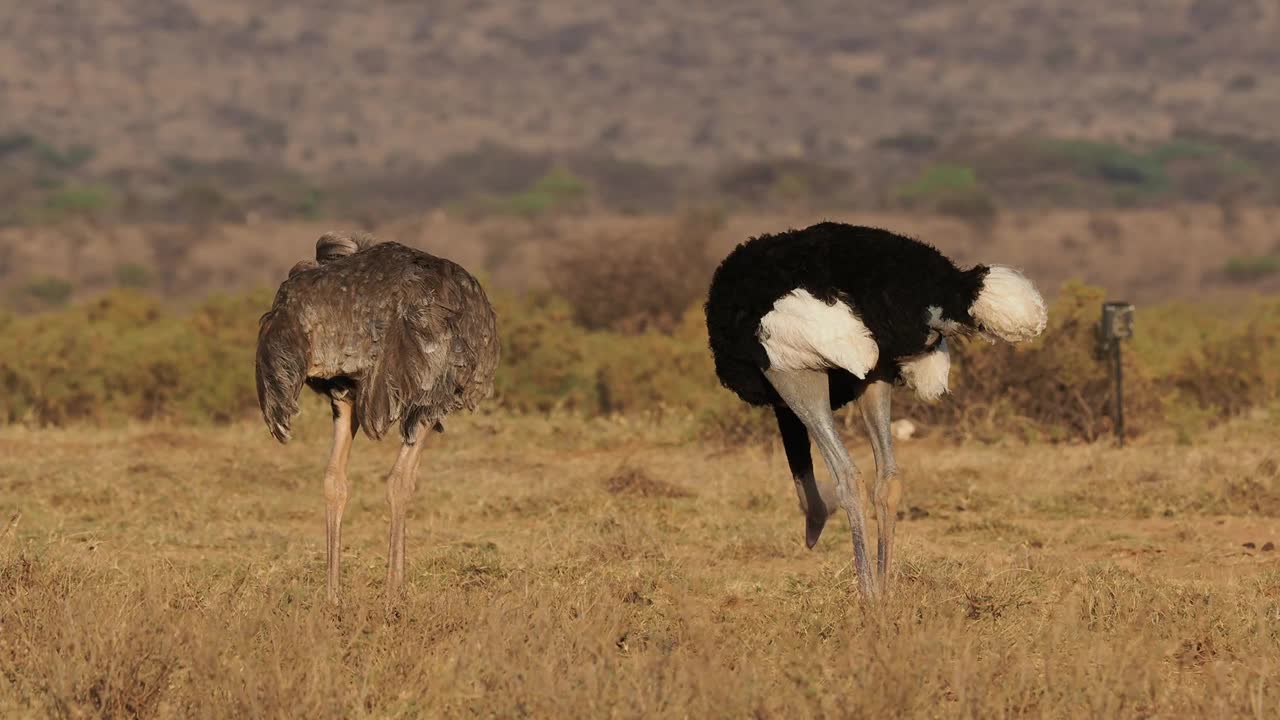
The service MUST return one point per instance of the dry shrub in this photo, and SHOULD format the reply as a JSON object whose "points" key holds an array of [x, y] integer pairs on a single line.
{"points": [[1055, 386], [1238, 369], [656, 371], [545, 356], [552, 363], [125, 355], [631, 284]]}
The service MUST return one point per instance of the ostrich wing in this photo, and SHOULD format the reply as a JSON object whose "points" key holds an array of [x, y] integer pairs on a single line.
{"points": [[802, 332], [281, 365], [414, 332], [436, 355]]}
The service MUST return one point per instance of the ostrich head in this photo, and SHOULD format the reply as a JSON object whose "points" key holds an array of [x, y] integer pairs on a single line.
{"points": [[334, 245], [996, 301]]}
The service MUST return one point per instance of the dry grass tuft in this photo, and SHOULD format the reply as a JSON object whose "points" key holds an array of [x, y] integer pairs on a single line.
{"points": [[635, 482]]}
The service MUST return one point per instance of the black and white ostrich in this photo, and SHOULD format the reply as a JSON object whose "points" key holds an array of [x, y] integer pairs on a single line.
{"points": [[391, 335], [808, 320]]}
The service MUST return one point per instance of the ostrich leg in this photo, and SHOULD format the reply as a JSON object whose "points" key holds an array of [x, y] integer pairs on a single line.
{"points": [[807, 393], [335, 490], [887, 490], [400, 486], [817, 500]]}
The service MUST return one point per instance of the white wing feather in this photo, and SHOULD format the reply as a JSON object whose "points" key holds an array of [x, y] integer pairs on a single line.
{"points": [[928, 373], [803, 333]]}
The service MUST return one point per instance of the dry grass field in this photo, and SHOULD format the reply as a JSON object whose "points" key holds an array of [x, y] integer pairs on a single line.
{"points": [[562, 567], [613, 535]]}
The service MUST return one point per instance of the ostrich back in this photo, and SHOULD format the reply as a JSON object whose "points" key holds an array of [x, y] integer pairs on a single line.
{"points": [[413, 337]]}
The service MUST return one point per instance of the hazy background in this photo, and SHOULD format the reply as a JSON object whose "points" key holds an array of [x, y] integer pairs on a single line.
{"points": [[186, 146]]}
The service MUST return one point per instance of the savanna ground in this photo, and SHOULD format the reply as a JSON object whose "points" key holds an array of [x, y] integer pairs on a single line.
{"points": [[615, 535], [562, 567]]}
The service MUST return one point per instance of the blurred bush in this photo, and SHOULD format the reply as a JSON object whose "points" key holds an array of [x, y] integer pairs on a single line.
{"points": [[634, 284], [126, 355], [73, 201], [133, 275], [950, 190], [556, 191], [1058, 172], [45, 292], [784, 183], [1248, 269]]}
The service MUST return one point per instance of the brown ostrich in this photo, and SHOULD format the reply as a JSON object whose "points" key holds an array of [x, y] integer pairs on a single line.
{"points": [[390, 335]]}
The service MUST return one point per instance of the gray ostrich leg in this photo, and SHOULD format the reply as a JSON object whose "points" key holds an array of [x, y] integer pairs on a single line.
{"points": [[887, 490], [817, 500], [808, 394]]}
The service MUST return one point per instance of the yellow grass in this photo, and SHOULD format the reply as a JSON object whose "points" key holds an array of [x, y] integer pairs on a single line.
{"points": [[614, 568]]}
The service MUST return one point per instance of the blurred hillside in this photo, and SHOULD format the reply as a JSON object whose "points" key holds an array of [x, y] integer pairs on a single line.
{"points": [[417, 104], [344, 86], [190, 146]]}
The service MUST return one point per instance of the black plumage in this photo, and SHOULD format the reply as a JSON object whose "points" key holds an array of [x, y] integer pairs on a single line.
{"points": [[809, 320], [889, 280]]}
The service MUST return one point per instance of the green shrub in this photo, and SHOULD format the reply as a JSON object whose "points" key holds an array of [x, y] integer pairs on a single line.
{"points": [[940, 180], [1137, 174], [1109, 162], [135, 276], [15, 142], [1247, 269], [76, 201], [49, 291], [556, 190], [909, 142], [950, 190], [63, 160], [783, 182]]}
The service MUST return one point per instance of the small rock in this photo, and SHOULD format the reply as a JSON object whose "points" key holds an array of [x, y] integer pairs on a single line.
{"points": [[1250, 545], [902, 429], [916, 513], [1268, 546]]}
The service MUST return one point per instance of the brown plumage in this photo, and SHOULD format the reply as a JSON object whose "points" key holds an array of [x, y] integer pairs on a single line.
{"points": [[391, 335], [410, 336]]}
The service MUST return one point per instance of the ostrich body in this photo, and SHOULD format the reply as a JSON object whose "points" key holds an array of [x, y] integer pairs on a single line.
{"points": [[391, 335], [809, 320]]}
